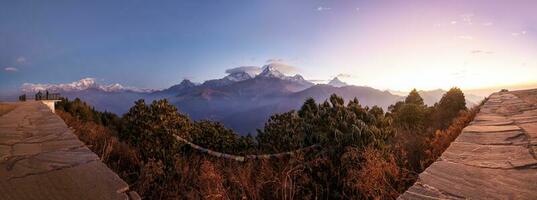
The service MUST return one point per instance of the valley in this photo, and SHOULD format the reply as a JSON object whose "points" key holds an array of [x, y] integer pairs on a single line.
{"points": [[242, 101]]}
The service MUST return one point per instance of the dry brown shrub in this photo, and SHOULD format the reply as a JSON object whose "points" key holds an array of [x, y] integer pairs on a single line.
{"points": [[375, 177], [211, 182], [150, 174], [357, 173], [443, 138], [119, 156], [242, 180]]}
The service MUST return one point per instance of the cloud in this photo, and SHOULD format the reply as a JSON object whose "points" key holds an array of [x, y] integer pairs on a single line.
{"points": [[460, 74], [453, 22], [321, 8], [275, 60], [487, 24], [516, 34], [476, 51], [21, 60], [11, 69], [252, 70], [344, 76], [465, 37], [282, 67], [467, 18]]}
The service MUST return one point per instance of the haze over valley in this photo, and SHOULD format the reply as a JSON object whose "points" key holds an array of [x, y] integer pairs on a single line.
{"points": [[243, 100]]}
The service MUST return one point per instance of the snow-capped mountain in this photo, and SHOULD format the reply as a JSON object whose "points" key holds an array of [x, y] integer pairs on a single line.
{"points": [[82, 84], [337, 83], [243, 100], [238, 76], [270, 71], [227, 80], [273, 70]]}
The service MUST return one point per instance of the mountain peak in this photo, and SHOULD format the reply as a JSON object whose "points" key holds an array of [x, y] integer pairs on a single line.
{"points": [[183, 85], [238, 76], [270, 71], [337, 83], [187, 82], [298, 77]]}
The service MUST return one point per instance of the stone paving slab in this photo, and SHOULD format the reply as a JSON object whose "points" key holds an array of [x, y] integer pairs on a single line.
{"points": [[493, 158], [40, 158], [498, 138]]}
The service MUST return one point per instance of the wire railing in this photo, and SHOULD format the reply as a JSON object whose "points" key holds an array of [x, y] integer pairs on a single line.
{"points": [[245, 157]]}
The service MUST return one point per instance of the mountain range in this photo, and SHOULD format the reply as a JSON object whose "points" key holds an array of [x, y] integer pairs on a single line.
{"points": [[242, 100]]}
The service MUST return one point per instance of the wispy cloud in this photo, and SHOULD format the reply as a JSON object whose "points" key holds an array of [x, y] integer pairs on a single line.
{"points": [[344, 76], [21, 60], [275, 60], [467, 18], [459, 73], [478, 51], [487, 24], [516, 34], [322, 8], [465, 37], [252, 70], [438, 25], [10, 69]]}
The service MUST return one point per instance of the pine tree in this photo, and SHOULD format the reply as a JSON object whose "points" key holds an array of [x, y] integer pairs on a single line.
{"points": [[448, 107], [414, 98]]}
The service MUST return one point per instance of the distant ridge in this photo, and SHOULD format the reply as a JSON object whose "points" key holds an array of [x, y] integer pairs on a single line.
{"points": [[243, 100]]}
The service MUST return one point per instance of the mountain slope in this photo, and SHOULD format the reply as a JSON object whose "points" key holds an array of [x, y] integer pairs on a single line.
{"points": [[247, 105], [242, 101], [366, 95]]}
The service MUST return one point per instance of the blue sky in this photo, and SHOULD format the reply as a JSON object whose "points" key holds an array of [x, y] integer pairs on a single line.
{"points": [[377, 43]]}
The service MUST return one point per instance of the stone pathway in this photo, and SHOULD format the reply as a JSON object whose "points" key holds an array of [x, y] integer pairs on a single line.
{"points": [[40, 158], [493, 158]]}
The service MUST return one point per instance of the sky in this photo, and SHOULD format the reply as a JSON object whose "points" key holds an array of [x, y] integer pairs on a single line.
{"points": [[395, 45]]}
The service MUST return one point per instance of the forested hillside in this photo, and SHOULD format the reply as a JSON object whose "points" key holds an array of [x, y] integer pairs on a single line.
{"points": [[363, 152]]}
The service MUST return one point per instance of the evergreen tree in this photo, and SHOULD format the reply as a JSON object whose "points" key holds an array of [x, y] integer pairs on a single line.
{"points": [[215, 136], [411, 115], [414, 98], [152, 128], [448, 107]]}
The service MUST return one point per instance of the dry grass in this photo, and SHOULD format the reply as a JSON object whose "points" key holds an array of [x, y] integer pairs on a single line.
{"points": [[443, 138], [5, 108], [355, 173], [119, 156]]}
